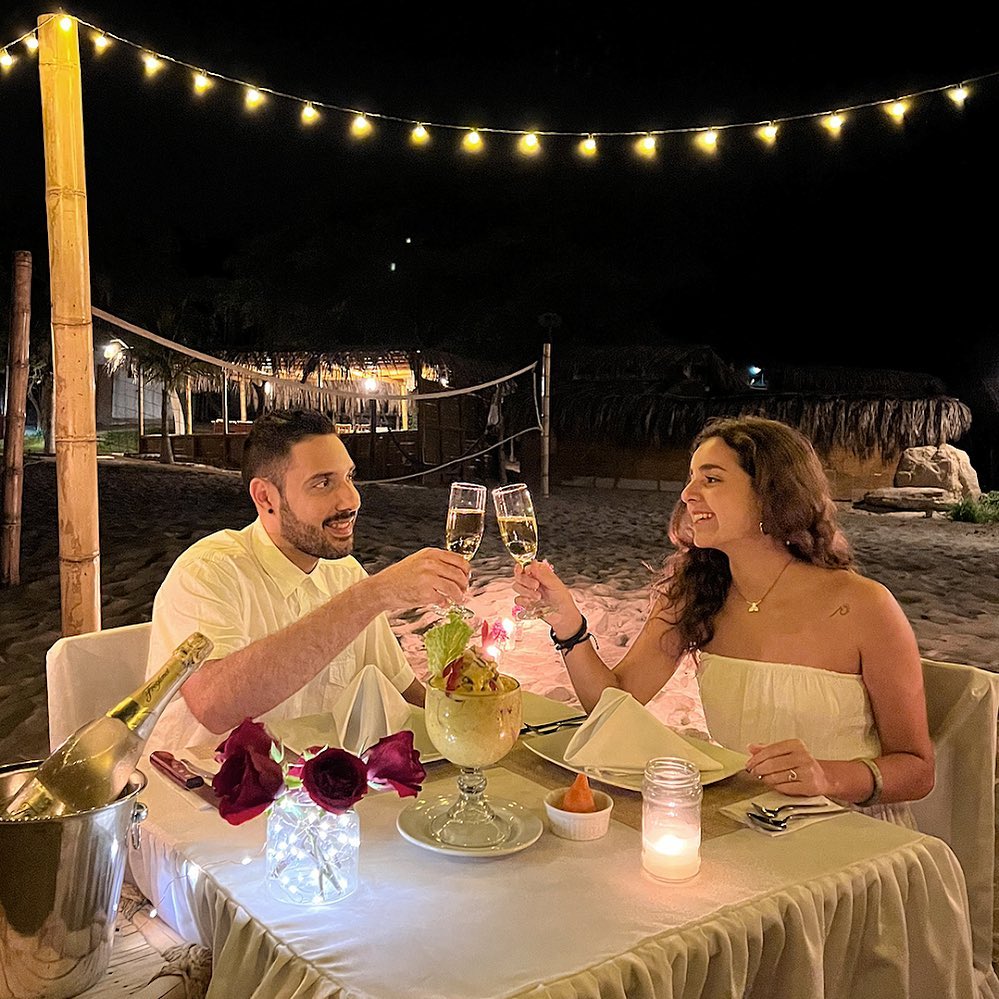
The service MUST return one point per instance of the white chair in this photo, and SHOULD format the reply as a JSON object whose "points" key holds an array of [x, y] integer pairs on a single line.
{"points": [[963, 706], [88, 674]]}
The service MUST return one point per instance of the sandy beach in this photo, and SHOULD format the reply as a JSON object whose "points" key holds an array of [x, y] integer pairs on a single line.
{"points": [[944, 574]]}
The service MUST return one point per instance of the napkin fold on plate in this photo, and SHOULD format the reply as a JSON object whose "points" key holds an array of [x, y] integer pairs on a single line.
{"points": [[773, 799], [369, 709], [621, 734]]}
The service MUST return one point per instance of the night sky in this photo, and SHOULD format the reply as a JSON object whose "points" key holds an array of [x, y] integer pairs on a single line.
{"points": [[852, 252]]}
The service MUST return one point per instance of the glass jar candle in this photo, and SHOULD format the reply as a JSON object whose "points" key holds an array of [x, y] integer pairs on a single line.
{"points": [[671, 819]]}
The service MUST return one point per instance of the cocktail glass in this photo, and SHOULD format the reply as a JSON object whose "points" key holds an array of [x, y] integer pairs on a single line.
{"points": [[472, 730]]}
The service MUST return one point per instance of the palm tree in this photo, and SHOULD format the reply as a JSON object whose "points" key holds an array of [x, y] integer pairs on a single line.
{"points": [[157, 363]]}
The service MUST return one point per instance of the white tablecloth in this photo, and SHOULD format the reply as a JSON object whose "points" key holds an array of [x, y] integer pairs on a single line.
{"points": [[848, 907]]}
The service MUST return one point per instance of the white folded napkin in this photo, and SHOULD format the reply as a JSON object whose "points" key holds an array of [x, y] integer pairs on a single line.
{"points": [[369, 709], [621, 734], [772, 799]]}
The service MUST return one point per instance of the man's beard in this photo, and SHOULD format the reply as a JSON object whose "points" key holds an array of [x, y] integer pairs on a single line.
{"points": [[313, 540]]}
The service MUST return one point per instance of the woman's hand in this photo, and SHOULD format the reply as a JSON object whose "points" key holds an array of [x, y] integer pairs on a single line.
{"points": [[537, 584], [788, 767]]}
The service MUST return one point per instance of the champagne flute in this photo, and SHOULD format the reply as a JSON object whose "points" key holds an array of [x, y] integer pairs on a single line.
{"points": [[466, 518], [519, 530]]}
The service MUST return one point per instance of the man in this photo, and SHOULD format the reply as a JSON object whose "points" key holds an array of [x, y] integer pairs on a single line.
{"points": [[293, 616]]}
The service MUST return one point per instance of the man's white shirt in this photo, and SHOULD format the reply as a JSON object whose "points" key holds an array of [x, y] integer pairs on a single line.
{"points": [[237, 587]]}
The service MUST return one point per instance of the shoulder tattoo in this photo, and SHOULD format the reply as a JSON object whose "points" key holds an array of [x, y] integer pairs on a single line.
{"points": [[841, 611]]}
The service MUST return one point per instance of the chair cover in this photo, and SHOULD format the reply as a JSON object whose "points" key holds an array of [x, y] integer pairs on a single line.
{"points": [[962, 706], [88, 674]]}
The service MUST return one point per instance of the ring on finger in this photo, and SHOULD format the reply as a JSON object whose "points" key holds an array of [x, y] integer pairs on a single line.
{"points": [[792, 776]]}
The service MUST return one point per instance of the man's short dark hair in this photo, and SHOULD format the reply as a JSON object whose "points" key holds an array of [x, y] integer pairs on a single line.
{"points": [[271, 438]]}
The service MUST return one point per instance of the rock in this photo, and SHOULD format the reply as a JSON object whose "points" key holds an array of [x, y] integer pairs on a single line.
{"points": [[920, 498], [944, 467]]}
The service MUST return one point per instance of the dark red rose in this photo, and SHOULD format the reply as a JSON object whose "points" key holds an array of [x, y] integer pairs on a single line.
{"points": [[248, 780], [393, 762], [248, 734], [335, 779]]}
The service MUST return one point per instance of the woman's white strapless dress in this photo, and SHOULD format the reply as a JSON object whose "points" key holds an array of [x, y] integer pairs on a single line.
{"points": [[747, 701]]}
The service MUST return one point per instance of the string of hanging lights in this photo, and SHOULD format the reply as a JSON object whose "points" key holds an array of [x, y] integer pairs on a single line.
{"points": [[472, 138]]}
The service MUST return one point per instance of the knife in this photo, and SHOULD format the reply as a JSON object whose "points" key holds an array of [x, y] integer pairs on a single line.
{"points": [[546, 728], [175, 769]]}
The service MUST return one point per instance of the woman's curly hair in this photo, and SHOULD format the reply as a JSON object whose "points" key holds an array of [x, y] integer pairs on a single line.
{"points": [[796, 509]]}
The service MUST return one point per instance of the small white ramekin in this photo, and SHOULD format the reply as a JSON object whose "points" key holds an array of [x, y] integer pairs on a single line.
{"points": [[578, 825]]}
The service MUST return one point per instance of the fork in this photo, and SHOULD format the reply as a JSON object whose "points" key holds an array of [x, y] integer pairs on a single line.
{"points": [[780, 824], [792, 807], [546, 728]]}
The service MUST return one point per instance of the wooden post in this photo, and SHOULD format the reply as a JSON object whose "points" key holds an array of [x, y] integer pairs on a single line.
{"points": [[242, 400], [189, 427], [17, 395], [225, 403], [373, 425], [140, 392], [546, 422], [72, 324]]}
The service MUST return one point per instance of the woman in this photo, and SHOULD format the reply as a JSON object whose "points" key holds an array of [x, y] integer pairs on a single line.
{"points": [[803, 663]]}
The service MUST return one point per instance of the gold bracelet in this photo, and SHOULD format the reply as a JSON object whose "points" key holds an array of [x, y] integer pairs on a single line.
{"points": [[875, 796]]}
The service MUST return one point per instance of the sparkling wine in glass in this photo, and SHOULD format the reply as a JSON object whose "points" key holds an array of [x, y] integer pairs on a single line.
{"points": [[519, 530], [466, 518]]}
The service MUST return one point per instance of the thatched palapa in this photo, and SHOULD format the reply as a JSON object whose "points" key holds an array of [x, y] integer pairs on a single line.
{"points": [[650, 402]]}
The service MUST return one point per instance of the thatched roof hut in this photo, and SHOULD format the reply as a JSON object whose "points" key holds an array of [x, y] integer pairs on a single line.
{"points": [[649, 399]]}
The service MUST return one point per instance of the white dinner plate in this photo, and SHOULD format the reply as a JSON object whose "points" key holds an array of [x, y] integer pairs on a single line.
{"points": [[414, 824], [552, 748]]}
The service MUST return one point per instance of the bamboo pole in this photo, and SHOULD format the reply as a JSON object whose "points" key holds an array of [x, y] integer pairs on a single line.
{"points": [[72, 324], [242, 400], [189, 428], [17, 395], [140, 391], [546, 421]]}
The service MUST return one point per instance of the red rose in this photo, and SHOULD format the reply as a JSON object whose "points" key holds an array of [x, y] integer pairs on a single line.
{"points": [[248, 734], [335, 779], [248, 780], [393, 762]]}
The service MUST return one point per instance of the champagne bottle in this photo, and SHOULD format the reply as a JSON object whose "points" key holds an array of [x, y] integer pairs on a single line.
{"points": [[93, 765]]}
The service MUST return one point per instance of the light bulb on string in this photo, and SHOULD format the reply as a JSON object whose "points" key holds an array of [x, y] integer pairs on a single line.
{"points": [[646, 146], [6, 60], [768, 133], [152, 64], [707, 139], [253, 98], [309, 115], [31, 43], [202, 82], [832, 123], [360, 127], [896, 110], [472, 141], [419, 136], [101, 42], [529, 144], [587, 147], [958, 95], [65, 23]]}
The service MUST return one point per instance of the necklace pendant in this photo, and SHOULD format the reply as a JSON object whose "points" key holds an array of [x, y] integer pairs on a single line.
{"points": [[754, 607]]}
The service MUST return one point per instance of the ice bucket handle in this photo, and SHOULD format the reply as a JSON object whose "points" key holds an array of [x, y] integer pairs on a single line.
{"points": [[139, 813]]}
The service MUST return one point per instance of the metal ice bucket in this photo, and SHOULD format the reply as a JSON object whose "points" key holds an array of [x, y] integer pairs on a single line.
{"points": [[60, 885]]}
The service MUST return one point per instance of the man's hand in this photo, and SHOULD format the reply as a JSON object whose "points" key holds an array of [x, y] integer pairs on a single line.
{"points": [[431, 576]]}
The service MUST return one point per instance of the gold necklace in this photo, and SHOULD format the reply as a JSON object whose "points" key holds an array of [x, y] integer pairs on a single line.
{"points": [[754, 605]]}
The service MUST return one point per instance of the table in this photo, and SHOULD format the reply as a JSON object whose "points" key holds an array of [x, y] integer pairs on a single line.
{"points": [[849, 906]]}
